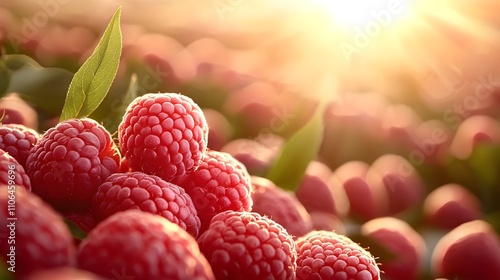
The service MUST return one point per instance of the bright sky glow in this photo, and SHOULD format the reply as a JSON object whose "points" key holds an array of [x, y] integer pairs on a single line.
{"points": [[358, 13]]}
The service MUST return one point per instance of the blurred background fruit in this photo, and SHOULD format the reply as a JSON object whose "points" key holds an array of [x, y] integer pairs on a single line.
{"points": [[408, 153]]}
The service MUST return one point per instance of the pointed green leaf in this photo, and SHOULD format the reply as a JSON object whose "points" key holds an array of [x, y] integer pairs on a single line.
{"points": [[111, 110], [297, 152], [92, 81]]}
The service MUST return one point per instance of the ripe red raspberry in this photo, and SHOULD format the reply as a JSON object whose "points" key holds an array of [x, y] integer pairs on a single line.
{"points": [[149, 193], [163, 134], [17, 140], [38, 237], [366, 201], [83, 220], [314, 191], [15, 110], [281, 206], [12, 173], [142, 246], [66, 273], [451, 205], [220, 183], [327, 221], [70, 161], [256, 157], [246, 245], [402, 241], [470, 251], [328, 255], [403, 184]]}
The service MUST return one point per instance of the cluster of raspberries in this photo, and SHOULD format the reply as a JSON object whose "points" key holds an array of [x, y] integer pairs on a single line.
{"points": [[157, 205]]}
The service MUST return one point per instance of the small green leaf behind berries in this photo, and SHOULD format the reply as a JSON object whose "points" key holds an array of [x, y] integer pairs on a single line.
{"points": [[92, 81]]}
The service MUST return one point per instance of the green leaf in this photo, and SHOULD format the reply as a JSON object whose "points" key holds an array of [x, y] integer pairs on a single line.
{"points": [[92, 81], [5, 75], [132, 93], [297, 152], [76, 232], [4, 272], [18, 61], [111, 110], [44, 88]]}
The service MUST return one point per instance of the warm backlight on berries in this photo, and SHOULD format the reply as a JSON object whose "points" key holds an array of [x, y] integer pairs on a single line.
{"points": [[358, 13]]}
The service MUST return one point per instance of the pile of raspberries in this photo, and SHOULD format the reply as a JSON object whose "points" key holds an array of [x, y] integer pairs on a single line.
{"points": [[155, 204]]}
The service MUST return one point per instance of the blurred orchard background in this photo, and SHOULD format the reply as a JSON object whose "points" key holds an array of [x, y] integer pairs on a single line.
{"points": [[411, 89]]}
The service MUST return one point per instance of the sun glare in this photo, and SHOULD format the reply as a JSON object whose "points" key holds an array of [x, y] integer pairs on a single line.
{"points": [[358, 13]]}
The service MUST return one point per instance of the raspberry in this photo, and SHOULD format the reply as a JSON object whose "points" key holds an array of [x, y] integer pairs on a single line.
{"points": [[64, 273], [451, 205], [281, 206], [472, 132], [366, 201], [12, 173], [328, 255], [17, 140], [163, 134], [15, 110], [327, 221], [149, 193], [402, 241], [83, 220], [470, 251], [220, 129], [70, 161], [42, 239], [220, 183], [403, 184], [142, 246], [316, 192], [246, 245], [256, 157]]}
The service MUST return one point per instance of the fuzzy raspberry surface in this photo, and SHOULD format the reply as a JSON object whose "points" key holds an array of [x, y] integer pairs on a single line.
{"points": [[12, 173], [70, 161], [142, 246], [149, 193], [163, 134], [281, 206], [42, 239], [246, 245], [328, 255], [220, 183], [17, 140]]}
